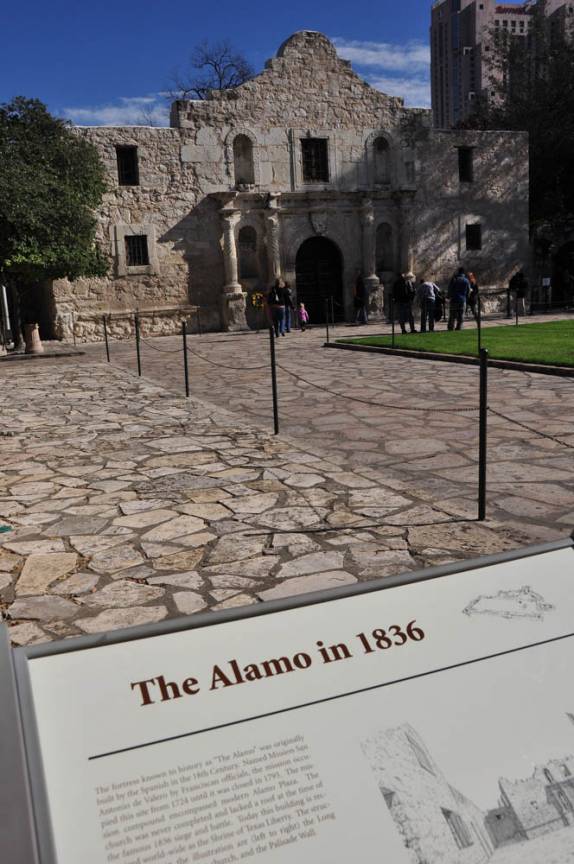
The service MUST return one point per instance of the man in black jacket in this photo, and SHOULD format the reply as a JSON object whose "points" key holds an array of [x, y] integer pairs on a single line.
{"points": [[403, 295]]}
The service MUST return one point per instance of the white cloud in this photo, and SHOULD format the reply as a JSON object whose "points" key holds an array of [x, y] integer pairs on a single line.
{"points": [[384, 55], [150, 110], [415, 91], [398, 70]]}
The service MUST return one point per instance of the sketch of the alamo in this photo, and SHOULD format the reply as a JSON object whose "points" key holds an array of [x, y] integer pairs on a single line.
{"points": [[440, 825]]}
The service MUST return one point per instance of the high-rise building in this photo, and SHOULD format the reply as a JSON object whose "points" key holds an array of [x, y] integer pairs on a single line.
{"points": [[459, 33]]}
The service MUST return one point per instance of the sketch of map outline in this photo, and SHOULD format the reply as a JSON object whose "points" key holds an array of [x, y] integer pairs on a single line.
{"points": [[527, 604]]}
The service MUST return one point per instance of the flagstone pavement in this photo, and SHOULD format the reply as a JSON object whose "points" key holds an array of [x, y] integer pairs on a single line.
{"points": [[123, 503]]}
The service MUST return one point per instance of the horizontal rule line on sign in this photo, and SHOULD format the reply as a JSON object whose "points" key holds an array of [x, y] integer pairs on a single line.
{"points": [[328, 698]]}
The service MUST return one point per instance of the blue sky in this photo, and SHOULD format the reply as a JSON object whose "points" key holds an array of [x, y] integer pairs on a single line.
{"points": [[106, 62]]}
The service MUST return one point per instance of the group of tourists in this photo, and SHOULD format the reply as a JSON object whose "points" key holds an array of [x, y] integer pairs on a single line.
{"points": [[282, 310], [462, 294]]}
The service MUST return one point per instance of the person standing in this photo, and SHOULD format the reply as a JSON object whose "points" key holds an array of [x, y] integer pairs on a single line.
{"points": [[427, 293], [473, 297], [276, 304], [303, 317], [519, 284], [403, 295], [361, 301], [458, 292], [288, 305]]}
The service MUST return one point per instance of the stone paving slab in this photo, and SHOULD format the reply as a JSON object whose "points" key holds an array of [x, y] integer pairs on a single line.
{"points": [[429, 453], [127, 504]]}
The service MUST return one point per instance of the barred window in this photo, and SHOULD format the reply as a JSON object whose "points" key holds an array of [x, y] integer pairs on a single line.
{"points": [[128, 168], [474, 237], [315, 160], [136, 250]]}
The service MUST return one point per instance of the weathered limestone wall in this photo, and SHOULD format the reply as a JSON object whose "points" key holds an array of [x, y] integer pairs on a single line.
{"points": [[191, 206], [417, 796]]}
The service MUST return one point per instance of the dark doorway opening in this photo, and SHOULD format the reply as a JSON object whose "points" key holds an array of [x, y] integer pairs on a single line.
{"points": [[563, 275], [319, 274]]}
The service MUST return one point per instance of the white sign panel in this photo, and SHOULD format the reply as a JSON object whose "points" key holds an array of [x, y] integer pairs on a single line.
{"points": [[432, 722]]}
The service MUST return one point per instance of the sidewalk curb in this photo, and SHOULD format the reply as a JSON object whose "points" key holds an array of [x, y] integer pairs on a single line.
{"points": [[465, 359]]}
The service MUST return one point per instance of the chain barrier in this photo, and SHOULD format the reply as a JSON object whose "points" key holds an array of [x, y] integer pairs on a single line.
{"points": [[376, 404], [331, 529], [161, 350], [224, 365], [530, 429]]}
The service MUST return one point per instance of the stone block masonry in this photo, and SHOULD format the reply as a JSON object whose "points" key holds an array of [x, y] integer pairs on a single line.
{"points": [[302, 171]]}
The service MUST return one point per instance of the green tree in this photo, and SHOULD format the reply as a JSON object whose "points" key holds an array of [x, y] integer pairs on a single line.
{"points": [[51, 183], [531, 88]]}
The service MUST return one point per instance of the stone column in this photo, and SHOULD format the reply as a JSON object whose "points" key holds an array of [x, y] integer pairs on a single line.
{"points": [[273, 238], [232, 285], [370, 277], [233, 300]]}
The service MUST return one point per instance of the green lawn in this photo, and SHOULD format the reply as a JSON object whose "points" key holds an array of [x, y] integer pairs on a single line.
{"points": [[551, 343]]}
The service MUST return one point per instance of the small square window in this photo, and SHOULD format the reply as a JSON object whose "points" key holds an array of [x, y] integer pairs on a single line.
{"points": [[465, 164], [128, 168], [474, 237], [315, 160], [136, 250]]}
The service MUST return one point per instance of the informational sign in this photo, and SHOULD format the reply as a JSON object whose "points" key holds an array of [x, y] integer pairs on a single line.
{"points": [[431, 721]]}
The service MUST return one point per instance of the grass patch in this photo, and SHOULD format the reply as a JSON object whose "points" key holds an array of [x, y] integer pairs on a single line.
{"points": [[549, 343]]}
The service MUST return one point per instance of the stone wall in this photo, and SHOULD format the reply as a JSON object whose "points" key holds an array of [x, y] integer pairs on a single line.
{"points": [[191, 206], [418, 797]]}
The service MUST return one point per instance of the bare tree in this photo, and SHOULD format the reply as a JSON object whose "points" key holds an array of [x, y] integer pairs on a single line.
{"points": [[212, 66]]}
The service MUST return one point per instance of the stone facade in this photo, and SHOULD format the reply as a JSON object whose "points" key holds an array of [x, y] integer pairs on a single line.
{"points": [[437, 823], [535, 805], [305, 172]]}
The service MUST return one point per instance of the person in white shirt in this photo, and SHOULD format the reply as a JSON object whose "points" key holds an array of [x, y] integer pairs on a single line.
{"points": [[427, 293]]}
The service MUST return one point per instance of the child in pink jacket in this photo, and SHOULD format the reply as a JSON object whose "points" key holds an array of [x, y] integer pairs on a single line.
{"points": [[303, 316]]}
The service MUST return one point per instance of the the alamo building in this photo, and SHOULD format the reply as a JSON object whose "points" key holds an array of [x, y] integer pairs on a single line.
{"points": [[304, 172]]}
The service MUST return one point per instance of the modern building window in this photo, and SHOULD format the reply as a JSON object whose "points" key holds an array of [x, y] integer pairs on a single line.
{"points": [[474, 237], [247, 247], [243, 161], [136, 250], [315, 153], [381, 159], [465, 164], [422, 757], [459, 830], [128, 168]]}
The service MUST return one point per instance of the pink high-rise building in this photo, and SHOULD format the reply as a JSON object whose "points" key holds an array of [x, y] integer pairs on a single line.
{"points": [[460, 48]]}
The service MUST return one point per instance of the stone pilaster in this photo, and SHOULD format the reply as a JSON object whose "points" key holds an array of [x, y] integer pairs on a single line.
{"points": [[405, 205], [233, 299], [273, 237], [370, 277]]}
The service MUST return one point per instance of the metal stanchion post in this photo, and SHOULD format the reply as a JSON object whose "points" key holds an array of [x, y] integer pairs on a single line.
{"points": [[516, 310], [274, 381], [138, 352], [332, 299], [198, 321], [326, 305], [392, 321], [185, 362], [106, 338], [479, 324], [483, 418]]}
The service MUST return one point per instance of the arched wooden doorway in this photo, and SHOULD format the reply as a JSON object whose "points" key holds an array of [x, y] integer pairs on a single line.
{"points": [[319, 274]]}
